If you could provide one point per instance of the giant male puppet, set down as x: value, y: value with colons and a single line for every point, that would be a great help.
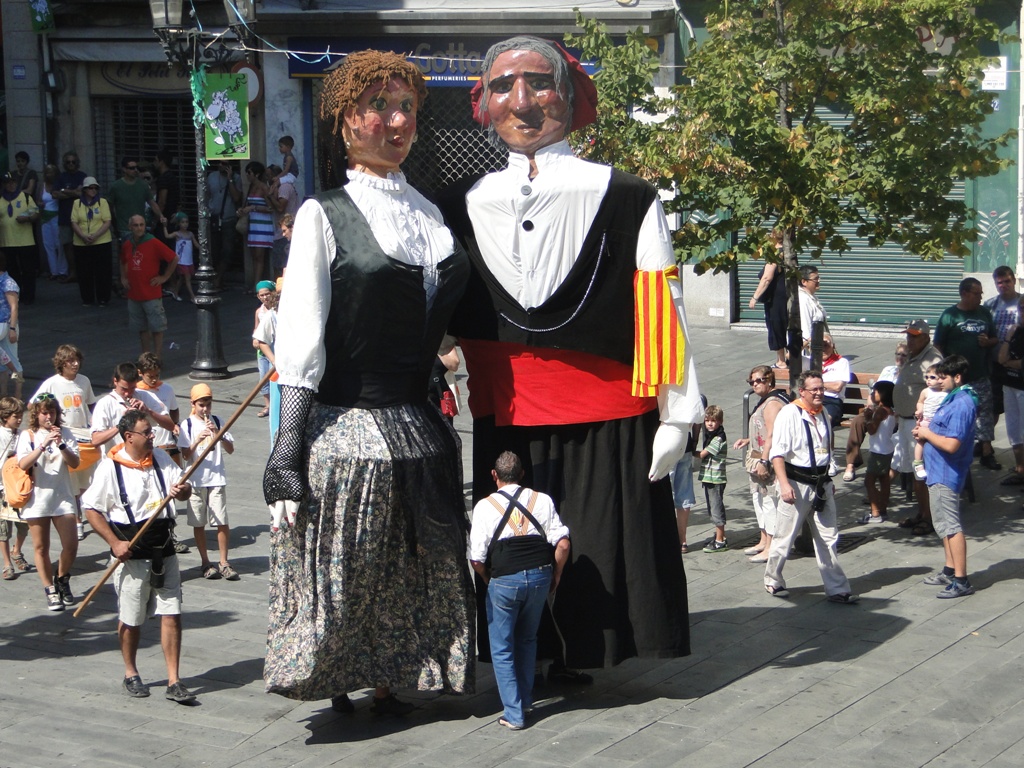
x: 596, y: 392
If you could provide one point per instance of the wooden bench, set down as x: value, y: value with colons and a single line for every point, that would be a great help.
x: 858, y: 395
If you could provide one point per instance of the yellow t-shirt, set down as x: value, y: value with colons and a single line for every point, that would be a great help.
x: 100, y: 212
x: 14, y: 233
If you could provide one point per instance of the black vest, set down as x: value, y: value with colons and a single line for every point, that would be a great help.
x: 381, y: 338
x: 592, y: 310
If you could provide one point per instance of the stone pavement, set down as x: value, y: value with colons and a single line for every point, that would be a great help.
x: 901, y: 679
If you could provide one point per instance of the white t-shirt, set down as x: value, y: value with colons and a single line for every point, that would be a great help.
x: 52, y: 494
x: 210, y: 473
x: 140, y: 485
x: 74, y: 397
x: 111, y: 407
x: 883, y: 442
x: 266, y: 331
x: 486, y: 518
x: 165, y: 392
x: 837, y: 370
x: 183, y: 247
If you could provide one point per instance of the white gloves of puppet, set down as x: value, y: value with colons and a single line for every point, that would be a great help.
x: 283, y: 511
x: 669, y: 446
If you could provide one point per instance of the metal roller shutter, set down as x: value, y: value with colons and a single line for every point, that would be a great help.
x: 142, y: 127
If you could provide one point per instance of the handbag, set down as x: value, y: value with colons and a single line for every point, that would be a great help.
x: 17, y: 482
x: 242, y: 225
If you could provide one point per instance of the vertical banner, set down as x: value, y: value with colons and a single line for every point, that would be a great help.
x: 42, y: 16
x: 226, y: 116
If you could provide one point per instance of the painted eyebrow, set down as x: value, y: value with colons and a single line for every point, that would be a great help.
x: 513, y: 76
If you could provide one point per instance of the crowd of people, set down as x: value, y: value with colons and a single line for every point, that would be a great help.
x: 543, y: 271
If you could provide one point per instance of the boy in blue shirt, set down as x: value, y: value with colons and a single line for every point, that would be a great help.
x: 948, y: 452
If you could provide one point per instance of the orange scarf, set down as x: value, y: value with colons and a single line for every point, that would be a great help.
x: 118, y: 454
x: 142, y: 385
x: 813, y: 411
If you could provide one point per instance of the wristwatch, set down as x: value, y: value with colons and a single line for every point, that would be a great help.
x: 765, y: 462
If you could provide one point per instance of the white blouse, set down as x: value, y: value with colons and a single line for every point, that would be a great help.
x: 561, y: 203
x: 406, y: 225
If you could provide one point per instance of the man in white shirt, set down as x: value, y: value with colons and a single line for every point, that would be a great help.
x: 546, y: 327
x: 801, y: 453
x: 518, y: 546
x: 128, y: 489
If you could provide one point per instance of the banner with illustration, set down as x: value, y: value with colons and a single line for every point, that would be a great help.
x: 42, y: 16
x: 226, y: 116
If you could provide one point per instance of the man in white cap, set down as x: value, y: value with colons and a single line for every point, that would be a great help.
x: 909, y: 384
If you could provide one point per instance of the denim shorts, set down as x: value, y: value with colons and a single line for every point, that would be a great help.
x: 682, y: 483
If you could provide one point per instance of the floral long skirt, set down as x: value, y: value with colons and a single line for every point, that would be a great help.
x: 372, y: 586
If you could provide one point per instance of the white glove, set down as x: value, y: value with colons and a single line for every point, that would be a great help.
x: 669, y: 446
x: 284, y: 510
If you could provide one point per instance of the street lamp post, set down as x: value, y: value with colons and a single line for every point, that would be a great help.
x: 192, y: 49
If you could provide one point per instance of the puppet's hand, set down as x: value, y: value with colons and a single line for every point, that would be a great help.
x: 284, y: 478
x: 283, y: 512
x: 669, y: 446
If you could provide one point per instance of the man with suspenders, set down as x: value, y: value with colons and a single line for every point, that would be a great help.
x: 519, y: 546
x: 128, y: 488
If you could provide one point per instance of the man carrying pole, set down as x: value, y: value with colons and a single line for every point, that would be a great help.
x: 132, y: 485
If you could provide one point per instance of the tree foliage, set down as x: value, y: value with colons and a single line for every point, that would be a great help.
x: 803, y: 116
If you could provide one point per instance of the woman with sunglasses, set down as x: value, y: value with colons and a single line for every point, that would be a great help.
x: 763, y: 491
x: 48, y: 451
x: 91, y: 221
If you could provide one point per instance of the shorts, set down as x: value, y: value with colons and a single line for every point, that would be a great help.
x: 878, y: 463
x: 185, y: 269
x: 208, y: 506
x: 682, y: 483
x: 7, y: 528
x: 945, y: 504
x: 147, y: 316
x: 138, y: 600
x: 714, y: 494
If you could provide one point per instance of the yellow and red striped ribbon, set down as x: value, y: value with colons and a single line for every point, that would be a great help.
x: 658, y: 337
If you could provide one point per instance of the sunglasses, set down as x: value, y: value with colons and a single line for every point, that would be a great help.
x: 44, y: 396
x: 752, y: 382
x: 930, y: 377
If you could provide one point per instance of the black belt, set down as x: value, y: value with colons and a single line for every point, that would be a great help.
x: 807, y: 475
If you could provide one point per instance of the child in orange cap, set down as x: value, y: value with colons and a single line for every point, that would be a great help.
x: 208, y: 502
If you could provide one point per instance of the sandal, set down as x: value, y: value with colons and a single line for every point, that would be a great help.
x: 10, y: 574
x: 923, y: 528
x: 911, y: 522
x: 20, y: 562
x: 683, y: 548
x: 211, y: 572
x: 776, y: 591
x: 263, y: 414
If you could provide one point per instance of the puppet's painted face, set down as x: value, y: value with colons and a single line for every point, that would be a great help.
x: 526, y: 109
x: 381, y: 127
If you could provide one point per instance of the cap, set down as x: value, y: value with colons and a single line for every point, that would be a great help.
x: 199, y: 391
x: 8, y: 177
x: 918, y: 327
x: 90, y: 181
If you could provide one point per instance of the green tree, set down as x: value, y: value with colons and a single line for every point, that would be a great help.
x: 800, y: 116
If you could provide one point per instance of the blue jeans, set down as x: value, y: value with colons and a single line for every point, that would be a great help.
x: 514, y: 606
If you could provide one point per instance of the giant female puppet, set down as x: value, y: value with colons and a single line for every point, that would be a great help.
x: 574, y: 336
x: 371, y: 586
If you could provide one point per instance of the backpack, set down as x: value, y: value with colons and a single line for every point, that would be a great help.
x: 18, y: 484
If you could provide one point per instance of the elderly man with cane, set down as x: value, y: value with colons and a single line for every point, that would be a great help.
x: 132, y: 485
